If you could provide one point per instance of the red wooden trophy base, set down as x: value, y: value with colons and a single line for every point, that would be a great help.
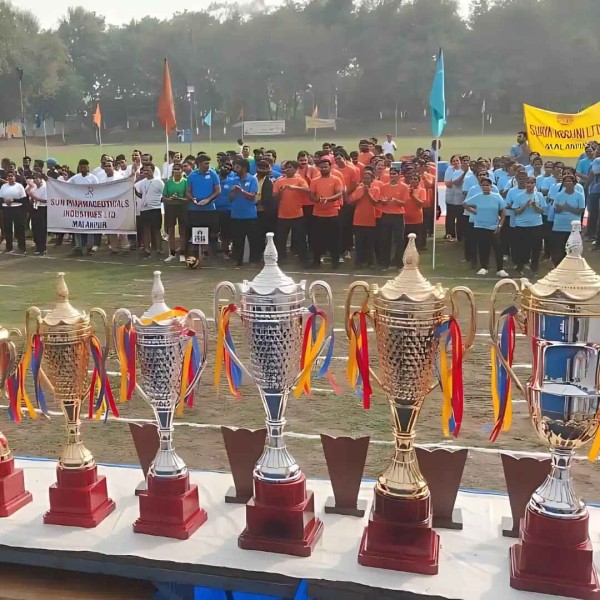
x: 79, y: 498
x: 554, y: 556
x: 280, y: 518
x: 12, y: 488
x: 399, y: 536
x: 170, y: 508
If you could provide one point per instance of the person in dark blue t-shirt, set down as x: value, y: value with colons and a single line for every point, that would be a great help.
x: 203, y: 187
x: 243, y: 212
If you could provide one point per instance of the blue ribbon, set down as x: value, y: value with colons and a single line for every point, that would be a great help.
x: 36, y: 362
x: 236, y: 372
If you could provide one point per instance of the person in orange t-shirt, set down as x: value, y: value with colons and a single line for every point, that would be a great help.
x: 381, y: 172
x: 394, y: 196
x: 428, y: 183
x: 308, y: 172
x: 351, y: 178
x: 365, y: 197
x: 290, y: 193
x: 326, y: 193
x: 364, y: 154
x: 413, y: 209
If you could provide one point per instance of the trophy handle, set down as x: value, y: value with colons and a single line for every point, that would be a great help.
x: 227, y: 285
x: 13, y: 363
x: 367, y: 289
x: 193, y: 315
x: 33, y: 313
x: 494, y: 322
x: 105, y: 325
x: 118, y: 321
x: 328, y: 309
x: 457, y: 291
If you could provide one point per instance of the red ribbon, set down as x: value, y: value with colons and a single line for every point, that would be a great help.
x: 457, y: 375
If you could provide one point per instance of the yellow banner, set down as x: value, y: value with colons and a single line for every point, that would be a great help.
x: 559, y: 134
x: 316, y: 123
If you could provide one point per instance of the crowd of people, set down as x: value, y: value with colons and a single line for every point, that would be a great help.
x: 332, y: 204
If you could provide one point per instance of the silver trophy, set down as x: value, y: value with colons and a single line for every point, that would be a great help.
x: 272, y: 308
x: 162, y: 337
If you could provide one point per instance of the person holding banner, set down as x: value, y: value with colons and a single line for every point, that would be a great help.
x: 149, y: 191
x: 82, y: 177
x: 36, y: 190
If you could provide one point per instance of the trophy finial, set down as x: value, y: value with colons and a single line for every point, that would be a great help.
x: 158, y: 298
x: 63, y: 311
x: 574, y: 245
x: 270, y: 255
x: 62, y: 291
x: 411, y: 255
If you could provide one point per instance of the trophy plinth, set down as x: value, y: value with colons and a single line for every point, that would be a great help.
x: 413, y: 329
x: 554, y: 557
x: 164, y: 347
x: 79, y: 498
x: 170, y: 508
x: 399, y: 536
x: 280, y: 518
x: 12, y: 488
x: 561, y: 317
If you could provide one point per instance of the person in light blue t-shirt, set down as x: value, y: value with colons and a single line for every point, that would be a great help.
x: 568, y: 206
x: 489, y: 215
x: 528, y: 205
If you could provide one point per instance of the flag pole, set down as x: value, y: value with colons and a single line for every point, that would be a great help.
x: 100, y: 136
x: 435, y: 198
x: 167, y: 141
x: 46, y: 139
x: 396, y: 120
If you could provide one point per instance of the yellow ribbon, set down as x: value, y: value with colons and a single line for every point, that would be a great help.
x: 595, y: 449
x: 220, y: 352
x: 22, y: 396
x: 312, y: 351
x: 170, y: 314
x: 122, y: 362
x: 187, y: 359
x: 496, y: 398
x: 446, y: 384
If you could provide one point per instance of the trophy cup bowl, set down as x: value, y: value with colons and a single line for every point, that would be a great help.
x: 561, y: 316
x: 79, y: 497
x: 272, y: 308
x: 407, y: 315
x: 170, y: 506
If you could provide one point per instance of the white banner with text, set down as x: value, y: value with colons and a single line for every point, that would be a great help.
x: 264, y: 127
x: 91, y: 208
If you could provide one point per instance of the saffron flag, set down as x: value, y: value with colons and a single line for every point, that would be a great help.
x: 208, y: 119
x: 166, y: 106
x: 437, y: 99
x: 98, y: 116
x: 559, y: 134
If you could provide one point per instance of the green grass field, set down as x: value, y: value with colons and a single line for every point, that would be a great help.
x: 489, y: 145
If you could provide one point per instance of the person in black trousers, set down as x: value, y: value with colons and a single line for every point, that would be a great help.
x: 13, y: 197
x: 244, y: 191
x: 39, y: 214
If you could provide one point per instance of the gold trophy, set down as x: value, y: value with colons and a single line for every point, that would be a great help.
x: 13, y: 495
x: 413, y: 330
x: 65, y: 337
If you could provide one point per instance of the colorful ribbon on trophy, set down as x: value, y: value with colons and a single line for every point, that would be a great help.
x: 101, y: 399
x: 358, y: 359
x: 312, y: 343
x: 126, y: 340
x: 450, y: 376
x: 501, y: 383
x: 192, y: 359
x: 233, y: 372
x: 17, y: 394
x: 178, y: 311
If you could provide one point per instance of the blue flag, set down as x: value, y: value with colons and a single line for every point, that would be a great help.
x: 437, y: 99
x: 208, y: 119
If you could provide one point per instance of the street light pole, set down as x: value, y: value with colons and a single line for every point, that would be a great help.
x: 191, y: 90
x: 23, y: 133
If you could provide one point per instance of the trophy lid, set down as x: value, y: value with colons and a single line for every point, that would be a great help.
x: 572, y: 279
x: 159, y: 306
x: 271, y: 279
x: 63, y: 312
x: 410, y: 284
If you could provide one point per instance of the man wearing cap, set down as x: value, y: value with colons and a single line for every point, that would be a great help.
x: 326, y: 193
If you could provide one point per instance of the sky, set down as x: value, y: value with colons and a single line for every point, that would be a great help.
x: 118, y: 12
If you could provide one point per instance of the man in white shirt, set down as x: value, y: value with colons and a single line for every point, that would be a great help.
x: 13, y: 196
x: 98, y: 170
x: 389, y: 146
x: 82, y: 177
x: 117, y: 242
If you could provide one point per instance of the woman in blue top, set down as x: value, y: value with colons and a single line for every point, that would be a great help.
x: 568, y: 206
x: 527, y: 237
x: 488, y: 211
x: 454, y: 177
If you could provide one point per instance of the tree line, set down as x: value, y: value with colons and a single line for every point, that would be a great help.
x: 351, y: 60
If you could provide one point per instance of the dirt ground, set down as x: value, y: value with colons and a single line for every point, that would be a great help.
x: 113, y: 282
